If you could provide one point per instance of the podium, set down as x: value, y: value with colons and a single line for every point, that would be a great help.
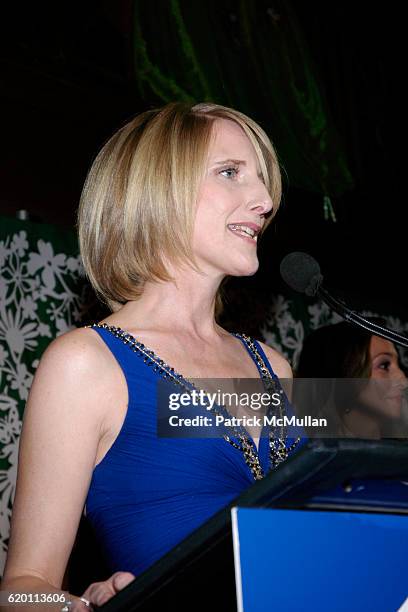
x: 319, y: 560
x: 349, y: 482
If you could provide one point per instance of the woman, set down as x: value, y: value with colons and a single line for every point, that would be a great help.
x: 370, y: 407
x: 173, y: 204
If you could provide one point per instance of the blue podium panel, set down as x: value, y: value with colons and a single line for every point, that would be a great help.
x: 318, y: 561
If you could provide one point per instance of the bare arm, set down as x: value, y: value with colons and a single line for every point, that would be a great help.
x: 63, y: 424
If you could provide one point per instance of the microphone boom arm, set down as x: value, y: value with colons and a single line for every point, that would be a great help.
x: 354, y: 317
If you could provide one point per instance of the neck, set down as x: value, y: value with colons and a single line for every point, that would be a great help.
x: 362, y: 424
x: 185, y: 305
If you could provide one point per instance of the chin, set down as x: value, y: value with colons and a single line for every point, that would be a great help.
x: 233, y: 266
x: 244, y: 270
x: 387, y: 410
x: 394, y: 409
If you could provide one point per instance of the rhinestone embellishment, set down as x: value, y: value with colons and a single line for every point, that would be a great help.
x: 278, y: 451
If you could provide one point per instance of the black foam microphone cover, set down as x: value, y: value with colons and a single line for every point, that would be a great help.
x: 301, y: 272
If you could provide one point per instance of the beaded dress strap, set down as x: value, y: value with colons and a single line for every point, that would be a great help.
x: 258, y: 356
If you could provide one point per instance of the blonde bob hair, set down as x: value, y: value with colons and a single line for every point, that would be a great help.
x: 138, y: 203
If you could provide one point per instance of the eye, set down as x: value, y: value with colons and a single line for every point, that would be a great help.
x: 384, y: 365
x: 230, y: 173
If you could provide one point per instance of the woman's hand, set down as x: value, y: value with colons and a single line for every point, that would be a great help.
x: 98, y: 593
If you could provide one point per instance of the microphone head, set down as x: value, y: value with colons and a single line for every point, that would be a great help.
x: 301, y: 272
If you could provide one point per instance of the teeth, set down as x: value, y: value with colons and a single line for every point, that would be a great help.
x: 242, y: 229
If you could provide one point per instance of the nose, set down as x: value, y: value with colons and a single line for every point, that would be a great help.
x: 260, y: 201
x: 399, y: 377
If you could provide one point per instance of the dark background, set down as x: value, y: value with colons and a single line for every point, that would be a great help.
x: 69, y: 78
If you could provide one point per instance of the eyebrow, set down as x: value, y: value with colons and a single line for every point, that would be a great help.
x: 231, y: 161
x: 386, y: 354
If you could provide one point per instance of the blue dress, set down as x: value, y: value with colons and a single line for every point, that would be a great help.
x: 148, y: 493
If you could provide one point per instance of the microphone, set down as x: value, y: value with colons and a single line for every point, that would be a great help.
x: 301, y: 272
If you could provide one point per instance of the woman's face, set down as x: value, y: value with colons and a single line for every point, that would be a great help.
x: 232, y: 205
x: 384, y: 394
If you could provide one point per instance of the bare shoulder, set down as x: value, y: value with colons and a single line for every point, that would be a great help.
x: 78, y: 364
x: 279, y: 363
x: 80, y: 353
x: 76, y: 348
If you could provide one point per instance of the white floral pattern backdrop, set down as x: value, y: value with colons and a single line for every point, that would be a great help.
x: 43, y: 295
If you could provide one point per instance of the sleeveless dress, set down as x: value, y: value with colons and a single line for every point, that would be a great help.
x: 148, y: 493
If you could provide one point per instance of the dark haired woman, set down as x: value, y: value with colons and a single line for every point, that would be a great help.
x: 370, y: 407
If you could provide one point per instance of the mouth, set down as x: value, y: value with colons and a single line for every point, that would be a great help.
x: 397, y: 392
x: 246, y: 231
x: 395, y: 397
